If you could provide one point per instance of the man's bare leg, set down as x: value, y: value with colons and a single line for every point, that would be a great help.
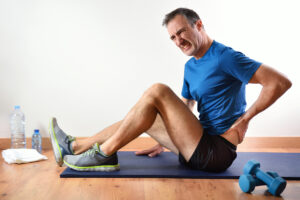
x: 157, y: 132
x: 182, y: 126
x: 81, y: 145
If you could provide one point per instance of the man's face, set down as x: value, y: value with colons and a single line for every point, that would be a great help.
x: 186, y: 37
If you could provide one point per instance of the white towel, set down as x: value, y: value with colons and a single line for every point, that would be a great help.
x: 22, y: 156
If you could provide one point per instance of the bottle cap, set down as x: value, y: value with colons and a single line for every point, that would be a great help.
x: 36, y: 131
x: 17, y: 107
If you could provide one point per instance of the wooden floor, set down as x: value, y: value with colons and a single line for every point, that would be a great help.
x: 40, y: 180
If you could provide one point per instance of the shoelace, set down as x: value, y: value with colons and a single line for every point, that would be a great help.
x: 69, y: 138
x: 90, y: 152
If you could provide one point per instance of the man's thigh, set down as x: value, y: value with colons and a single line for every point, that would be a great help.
x: 181, y: 124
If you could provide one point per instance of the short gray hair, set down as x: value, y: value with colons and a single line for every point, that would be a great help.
x: 191, y: 16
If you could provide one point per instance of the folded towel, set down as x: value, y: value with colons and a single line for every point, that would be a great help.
x: 22, y: 156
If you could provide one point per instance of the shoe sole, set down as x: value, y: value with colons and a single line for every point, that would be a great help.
x: 103, y: 168
x: 55, y: 145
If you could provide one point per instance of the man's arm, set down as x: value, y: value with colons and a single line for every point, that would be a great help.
x: 274, y: 85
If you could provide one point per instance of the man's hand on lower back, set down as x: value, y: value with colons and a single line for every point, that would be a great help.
x: 240, y: 126
x: 152, y: 152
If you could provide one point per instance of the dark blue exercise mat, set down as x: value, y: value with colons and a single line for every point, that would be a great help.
x: 166, y: 165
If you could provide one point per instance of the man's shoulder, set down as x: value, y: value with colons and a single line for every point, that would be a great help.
x: 226, y: 53
x: 222, y: 49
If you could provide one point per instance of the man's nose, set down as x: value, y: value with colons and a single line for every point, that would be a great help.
x: 178, y: 41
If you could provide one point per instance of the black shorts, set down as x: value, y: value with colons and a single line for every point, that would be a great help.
x: 213, y: 153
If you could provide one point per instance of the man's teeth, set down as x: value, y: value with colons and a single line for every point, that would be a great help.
x: 186, y: 46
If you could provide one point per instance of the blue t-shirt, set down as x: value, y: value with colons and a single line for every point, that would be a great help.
x: 217, y: 82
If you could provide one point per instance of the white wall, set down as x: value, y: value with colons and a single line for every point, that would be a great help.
x: 87, y: 62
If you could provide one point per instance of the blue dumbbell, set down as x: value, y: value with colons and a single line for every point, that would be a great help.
x: 248, y: 182
x: 275, y: 185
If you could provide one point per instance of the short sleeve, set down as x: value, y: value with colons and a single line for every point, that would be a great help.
x: 185, y: 90
x: 238, y: 65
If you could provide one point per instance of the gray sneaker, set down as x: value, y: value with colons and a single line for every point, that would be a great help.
x: 61, y: 142
x: 92, y: 160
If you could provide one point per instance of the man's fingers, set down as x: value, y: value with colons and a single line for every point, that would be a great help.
x: 143, y: 152
x: 156, y: 152
x: 153, y: 154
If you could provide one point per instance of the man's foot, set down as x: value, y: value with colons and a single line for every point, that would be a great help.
x: 92, y: 160
x: 61, y: 142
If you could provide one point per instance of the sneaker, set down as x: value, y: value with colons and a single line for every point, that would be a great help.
x: 92, y: 160
x: 61, y: 142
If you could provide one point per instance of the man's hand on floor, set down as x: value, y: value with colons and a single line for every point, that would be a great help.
x: 152, y: 152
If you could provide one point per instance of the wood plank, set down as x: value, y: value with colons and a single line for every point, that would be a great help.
x: 40, y: 180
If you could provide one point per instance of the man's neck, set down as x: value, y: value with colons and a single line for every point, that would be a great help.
x: 207, y: 41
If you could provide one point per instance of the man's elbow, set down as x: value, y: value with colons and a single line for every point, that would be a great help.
x: 287, y: 84
x: 284, y: 84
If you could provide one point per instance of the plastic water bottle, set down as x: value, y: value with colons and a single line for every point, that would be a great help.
x: 36, y: 141
x: 17, y: 126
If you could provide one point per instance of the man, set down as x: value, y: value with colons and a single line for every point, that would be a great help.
x: 215, y: 78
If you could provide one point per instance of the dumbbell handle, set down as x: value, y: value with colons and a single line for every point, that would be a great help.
x: 259, y: 182
x: 264, y: 177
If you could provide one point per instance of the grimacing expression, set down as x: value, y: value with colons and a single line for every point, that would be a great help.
x: 186, y: 37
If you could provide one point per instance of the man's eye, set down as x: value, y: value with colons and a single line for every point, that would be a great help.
x: 181, y: 32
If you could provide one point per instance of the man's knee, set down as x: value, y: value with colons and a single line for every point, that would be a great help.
x: 158, y: 90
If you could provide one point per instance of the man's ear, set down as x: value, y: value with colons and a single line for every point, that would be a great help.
x: 199, y: 25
